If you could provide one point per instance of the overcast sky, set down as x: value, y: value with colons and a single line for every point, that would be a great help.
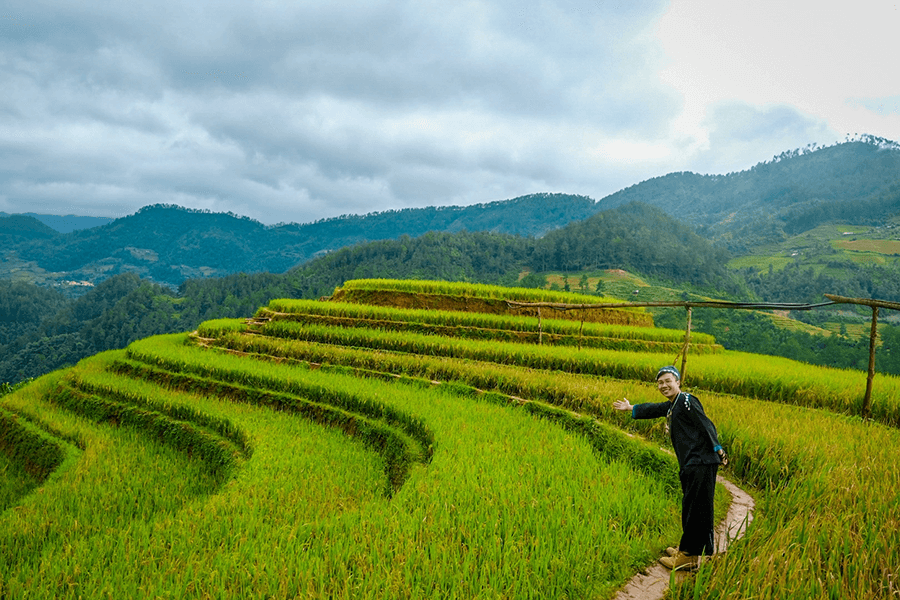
x: 296, y: 111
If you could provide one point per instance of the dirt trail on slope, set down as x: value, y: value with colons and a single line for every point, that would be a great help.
x: 652, y: 582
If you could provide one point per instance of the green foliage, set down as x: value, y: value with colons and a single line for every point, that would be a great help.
x: 22, y: 308
x: 635, y: 237
x: 118, y: 311
x: 16, y: 229
x: 533, y: 280
x: 478, y: 326
x: 797, y: 282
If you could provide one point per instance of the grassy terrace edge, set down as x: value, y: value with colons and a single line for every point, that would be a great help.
x: 379, y: 315
x: 729, y: 372
x: 475, y: 290
x: 465, y: 297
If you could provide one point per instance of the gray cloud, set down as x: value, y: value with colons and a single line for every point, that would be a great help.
x: 299, y: 111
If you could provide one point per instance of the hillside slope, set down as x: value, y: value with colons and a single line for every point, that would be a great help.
x: 16, y: 229
x: 795, y: 191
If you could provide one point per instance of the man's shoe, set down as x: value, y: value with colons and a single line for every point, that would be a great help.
x: 670, y: 551
x: 680, y: 561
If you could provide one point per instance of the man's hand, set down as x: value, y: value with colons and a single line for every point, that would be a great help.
x: 622, y: 404
x: 723, y: 456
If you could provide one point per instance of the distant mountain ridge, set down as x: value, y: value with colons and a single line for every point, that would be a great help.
x: 856, y: 181
x: 170, y: 244
x: 66, y: 223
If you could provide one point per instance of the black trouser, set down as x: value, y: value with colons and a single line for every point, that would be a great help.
x: 698, y: 484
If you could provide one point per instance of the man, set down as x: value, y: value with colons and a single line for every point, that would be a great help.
x: 699, y: 455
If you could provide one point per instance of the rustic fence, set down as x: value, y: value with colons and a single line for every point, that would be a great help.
x: 689, y: 306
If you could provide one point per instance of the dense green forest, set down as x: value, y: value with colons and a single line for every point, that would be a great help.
x: 16, y: 229
x: 799, y: 283
x: 42, y: 330
x: 636, y: 237
x: 632, y: 237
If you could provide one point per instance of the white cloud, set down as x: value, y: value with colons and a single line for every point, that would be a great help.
x: 809, y: 56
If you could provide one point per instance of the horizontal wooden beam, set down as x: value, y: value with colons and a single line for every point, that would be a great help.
x: 683, y: 304
x: 863, y: 301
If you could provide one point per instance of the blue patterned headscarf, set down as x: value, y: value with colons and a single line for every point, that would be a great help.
x: 671, y: 370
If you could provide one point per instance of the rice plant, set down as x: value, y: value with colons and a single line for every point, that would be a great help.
x: 487, y: 324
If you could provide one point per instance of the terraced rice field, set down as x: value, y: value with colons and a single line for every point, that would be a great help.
x: 321, y: 450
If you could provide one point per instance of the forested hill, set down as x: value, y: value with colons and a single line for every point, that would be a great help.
x: 856, y: 181
x: 170, y: 244
x: 634, y: 237
x: 21, y: 228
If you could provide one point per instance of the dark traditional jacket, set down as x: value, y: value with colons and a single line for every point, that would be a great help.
x: 693, y: 435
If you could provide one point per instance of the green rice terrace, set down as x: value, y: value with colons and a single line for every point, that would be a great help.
x: 423, y: 440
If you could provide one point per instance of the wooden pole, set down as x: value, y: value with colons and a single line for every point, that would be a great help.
x: 687, y: 341
x: 873, y: 338
x: 581, y: 330
x: 540, y: 328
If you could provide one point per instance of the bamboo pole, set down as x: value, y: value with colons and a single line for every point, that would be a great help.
x: 687, y: 341
x: 540, y: 328
x: 873, y: 338
x: 581, y: 330
x: 864, y: 302
x: 711, y: 304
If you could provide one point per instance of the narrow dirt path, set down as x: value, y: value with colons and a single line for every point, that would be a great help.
x: 652, y: 582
